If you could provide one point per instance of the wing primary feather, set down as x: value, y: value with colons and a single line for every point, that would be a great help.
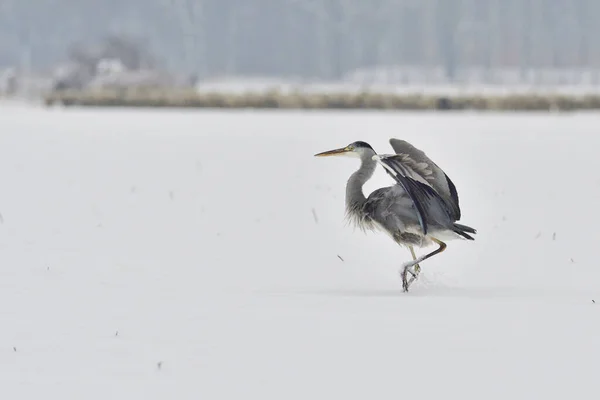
x: 454, y: 196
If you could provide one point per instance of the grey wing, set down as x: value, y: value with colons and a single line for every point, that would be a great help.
x: 430, y: 206
x: 392, y: 208
x: 422, y: 165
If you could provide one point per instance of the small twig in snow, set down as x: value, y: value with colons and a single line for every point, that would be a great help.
x: 314, y: 213
x: 340, y: 257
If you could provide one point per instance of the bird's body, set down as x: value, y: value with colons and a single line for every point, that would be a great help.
x: 420, y: 209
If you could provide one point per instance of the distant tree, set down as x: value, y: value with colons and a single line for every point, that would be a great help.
x: 83, y: 57
x: 446, y: 41
x: 132, y: 53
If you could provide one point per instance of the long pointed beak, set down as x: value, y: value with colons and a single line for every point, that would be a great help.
x: 332, y: 152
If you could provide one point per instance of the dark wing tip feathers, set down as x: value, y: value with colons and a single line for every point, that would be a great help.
x: 454, y: 196
x: 464, y: 231
x: 465, y: 228
x: 465, y: 235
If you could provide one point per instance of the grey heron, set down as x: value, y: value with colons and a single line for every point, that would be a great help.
x: 419, y: 210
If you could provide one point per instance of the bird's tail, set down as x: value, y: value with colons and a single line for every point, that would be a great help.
x: 464, y: 230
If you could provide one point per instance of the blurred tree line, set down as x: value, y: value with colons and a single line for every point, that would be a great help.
x: 309, y: 38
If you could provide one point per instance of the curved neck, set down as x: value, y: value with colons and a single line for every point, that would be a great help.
x: 354, y: 193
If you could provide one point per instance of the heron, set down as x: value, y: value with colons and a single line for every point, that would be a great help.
x: 421, y: 208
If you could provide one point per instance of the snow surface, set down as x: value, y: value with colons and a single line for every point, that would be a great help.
x: 194, y: 255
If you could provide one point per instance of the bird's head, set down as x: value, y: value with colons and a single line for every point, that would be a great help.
x: 356, y: 149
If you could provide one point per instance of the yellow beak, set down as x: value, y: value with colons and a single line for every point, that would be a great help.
x: 333, y: 152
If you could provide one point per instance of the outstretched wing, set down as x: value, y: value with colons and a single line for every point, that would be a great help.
x: 422, y: 165
x: 416, y: 186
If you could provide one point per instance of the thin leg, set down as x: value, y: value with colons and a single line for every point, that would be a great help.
x: 414, y: 256
x: 416, y: 261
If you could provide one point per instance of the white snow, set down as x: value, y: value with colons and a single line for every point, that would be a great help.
x: 194, y: 255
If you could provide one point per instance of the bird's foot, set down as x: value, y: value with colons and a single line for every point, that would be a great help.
x: 406, y: 282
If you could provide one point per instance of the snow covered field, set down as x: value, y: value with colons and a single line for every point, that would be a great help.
x: 194, y: 255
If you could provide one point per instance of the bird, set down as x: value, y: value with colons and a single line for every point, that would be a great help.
x: 420, y: 209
